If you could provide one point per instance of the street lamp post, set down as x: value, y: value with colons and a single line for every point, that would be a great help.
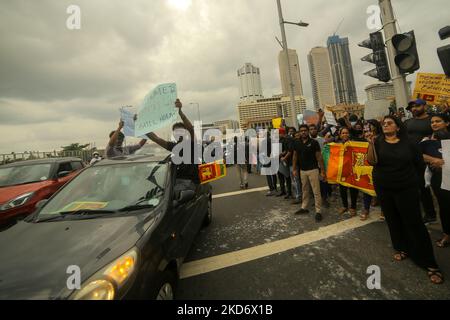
x: 285, y: 48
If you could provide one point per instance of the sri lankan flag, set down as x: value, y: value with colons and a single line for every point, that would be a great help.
x: 212, y: 171
x: 346, y: 164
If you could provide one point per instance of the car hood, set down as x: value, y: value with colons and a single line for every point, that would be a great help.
x: 11, y: 192
x: 35, y: 256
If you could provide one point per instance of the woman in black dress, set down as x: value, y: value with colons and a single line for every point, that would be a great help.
x: 395, y: 162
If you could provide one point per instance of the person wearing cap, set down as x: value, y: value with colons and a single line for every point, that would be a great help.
x: 95, y: 158
x: 418, y: 128
x: 115, y: 145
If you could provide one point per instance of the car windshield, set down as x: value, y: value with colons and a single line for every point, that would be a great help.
x: 24, y: 174
x: 110, y: 188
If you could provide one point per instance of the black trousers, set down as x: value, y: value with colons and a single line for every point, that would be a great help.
x: 272, y: 182
x: 285, y: 184
x: 443, y: 198
x: 353, y: 196
x: 401, y: 207
x: 425, y: 197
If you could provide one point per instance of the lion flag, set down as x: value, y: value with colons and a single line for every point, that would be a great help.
x: 346, y: 164
x: 211, y: 171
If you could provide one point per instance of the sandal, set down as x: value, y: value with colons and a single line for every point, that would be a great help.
x: 435, y: 273
x: 382, y: 218
x: 444, y: 242
x: 352, y: 212
x: 343, y: 210
x: 400, y: 256
x: 364, y: 216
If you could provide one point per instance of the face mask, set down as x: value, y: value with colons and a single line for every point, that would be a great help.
x: 352, y: 123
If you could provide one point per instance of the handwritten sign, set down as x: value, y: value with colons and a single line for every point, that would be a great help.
x: 310, y: 117
x: 433, y: 88
x: 128, y: 120
x: 157, y: 110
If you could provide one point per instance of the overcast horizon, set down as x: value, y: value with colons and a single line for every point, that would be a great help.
x: 61, y: 86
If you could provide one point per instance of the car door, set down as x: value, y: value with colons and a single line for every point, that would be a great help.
x: 64, y: 166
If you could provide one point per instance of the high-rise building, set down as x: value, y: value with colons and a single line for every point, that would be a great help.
x: 342, y: 70
x: 250, y: 88
x: 321, y: 77
x: 295, y: 71
x: 259, y: 113
x: 382, y: 91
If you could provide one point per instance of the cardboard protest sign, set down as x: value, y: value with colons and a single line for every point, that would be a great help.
x: 433, y: 88
x: 310, y: 117
x: 330, y: 118
x: 277, y: 122
x: 128, y: 119
x: 157, y: 110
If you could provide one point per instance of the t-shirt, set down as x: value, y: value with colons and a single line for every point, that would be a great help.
x: 306, y: 154
x: 115, y: 151
x: 398, y: 164
x: 187, y: 171
x: 418, y: 129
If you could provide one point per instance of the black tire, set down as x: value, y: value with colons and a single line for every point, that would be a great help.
x: 208, y: 216
x: 165, y: 286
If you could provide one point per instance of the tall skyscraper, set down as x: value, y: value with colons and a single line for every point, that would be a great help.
x: 342, y: 70
x: 321, y: 77
x: 250, y: 88
x: 295, y: 71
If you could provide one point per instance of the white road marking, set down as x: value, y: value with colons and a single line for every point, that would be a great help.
x: 235, y: 193
x: 195, y: 268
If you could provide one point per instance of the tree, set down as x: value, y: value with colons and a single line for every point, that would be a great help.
x: 75, y: 147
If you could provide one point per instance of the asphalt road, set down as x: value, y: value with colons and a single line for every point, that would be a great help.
x: 256, y: 248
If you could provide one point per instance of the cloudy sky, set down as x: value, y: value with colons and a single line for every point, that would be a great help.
x: 59, y: 86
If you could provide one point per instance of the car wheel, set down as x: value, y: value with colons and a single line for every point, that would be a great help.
x: 208, y: 217
x: 167, y: 286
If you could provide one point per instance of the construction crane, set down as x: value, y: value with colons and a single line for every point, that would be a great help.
x: 339, y: 25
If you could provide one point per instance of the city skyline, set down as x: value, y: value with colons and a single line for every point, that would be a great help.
x: 59, y: 86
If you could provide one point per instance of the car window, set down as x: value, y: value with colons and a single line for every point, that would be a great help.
x: 111, y: 187
x: 65, y: 167
x: 76, y: 165
x: 24, y: 174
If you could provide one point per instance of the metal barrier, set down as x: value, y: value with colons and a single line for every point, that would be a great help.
x: 85, y: 155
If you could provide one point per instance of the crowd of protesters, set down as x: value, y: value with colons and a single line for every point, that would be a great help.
x: 407, y: 164
x: 406, y: 155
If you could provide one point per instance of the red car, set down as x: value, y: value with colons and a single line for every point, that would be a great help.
x: 23, y: 184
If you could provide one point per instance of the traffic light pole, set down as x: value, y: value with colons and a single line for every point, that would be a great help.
x: 398, y: 80
x: 293, y: 120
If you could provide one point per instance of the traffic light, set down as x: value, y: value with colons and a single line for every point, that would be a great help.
x: 444, y: 52
x: 406, y: 57
x: 378, y: 57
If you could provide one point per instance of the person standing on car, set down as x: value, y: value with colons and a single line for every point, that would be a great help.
x: 418, y: 128
x: 188, y: 170
x: 115, y: 146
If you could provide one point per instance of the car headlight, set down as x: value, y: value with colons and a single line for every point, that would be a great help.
x: 105, y: 284
x: 18, y: 201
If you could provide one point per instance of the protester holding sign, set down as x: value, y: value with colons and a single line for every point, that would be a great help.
x: 396, y: 161
x: 432, y: 154
x: 188, y: 168
x: 115, y: 145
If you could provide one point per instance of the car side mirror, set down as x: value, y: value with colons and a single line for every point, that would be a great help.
x: 63, y: 174
x: 185, y: 196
